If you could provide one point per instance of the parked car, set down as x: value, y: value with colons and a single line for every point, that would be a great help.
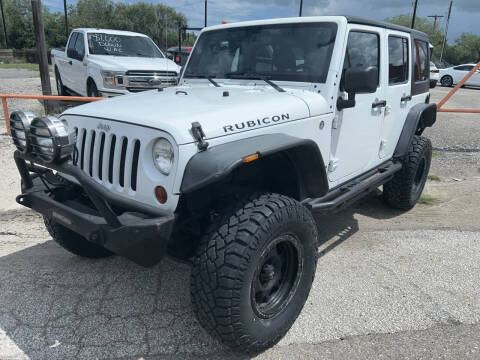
x: 454, y: 74
x: 180, y: 56
x: 434, y: 75
x: 272, y: 122
x: 100, y: 62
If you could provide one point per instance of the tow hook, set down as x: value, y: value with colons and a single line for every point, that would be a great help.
x: 199, y: 135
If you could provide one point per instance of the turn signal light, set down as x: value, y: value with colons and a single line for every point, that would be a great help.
x: 250, y: 158
x: 161, y: 194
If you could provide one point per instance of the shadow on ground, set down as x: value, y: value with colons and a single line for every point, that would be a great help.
x: 57, y: 306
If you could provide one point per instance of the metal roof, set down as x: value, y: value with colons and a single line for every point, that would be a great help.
x: 386, y: 25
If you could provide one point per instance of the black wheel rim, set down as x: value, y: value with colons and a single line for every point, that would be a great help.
x: 447, y: 81
x: 419, y: 176
x: 277, y: 276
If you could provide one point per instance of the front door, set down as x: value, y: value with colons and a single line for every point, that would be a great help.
x: 78, y: 69
x: 356, y: 130
x: 397, y: 91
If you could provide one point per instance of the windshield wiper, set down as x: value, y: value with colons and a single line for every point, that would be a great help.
x: 254, y: 76
x: 201, y: 76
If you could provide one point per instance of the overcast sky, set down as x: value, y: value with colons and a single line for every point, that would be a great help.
x: 465, y: 13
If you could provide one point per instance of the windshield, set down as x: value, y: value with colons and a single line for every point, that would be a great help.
x: 289, y: 52
x: 122, y: 45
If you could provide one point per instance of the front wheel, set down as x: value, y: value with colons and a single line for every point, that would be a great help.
x: 92, y: 90
x: 253, y: 271
x: 73, y: 242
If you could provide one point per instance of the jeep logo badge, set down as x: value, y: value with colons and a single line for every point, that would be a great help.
x: 104, y: 127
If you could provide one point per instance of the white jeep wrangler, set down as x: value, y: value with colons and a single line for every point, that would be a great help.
x: 272, y: 121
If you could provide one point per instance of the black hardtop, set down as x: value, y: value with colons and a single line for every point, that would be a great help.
x: 385, y: 25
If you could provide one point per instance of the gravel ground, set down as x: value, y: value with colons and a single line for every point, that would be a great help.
x: 388, y: 284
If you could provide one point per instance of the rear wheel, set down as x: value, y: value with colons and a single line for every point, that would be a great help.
x: 73, y: 242
x: 61, y: 90
x: 253, y: 271
x: 446, y: 81
x: 404, y: 190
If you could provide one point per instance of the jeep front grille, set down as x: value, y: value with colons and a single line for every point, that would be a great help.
x: 108, y: 158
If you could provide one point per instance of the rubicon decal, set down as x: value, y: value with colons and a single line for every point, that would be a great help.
x: 255, y: 123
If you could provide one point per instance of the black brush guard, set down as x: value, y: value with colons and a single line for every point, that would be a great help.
x: 138, y: 234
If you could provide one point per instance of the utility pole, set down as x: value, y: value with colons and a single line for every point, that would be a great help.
x: 435, y: 20
x: 205, y: 13
x: 4, y: 24
x: 66, y: 19
x: 446, y: 30
x: 414, y: 13
x: 301, y: 7
x: 41, y: 50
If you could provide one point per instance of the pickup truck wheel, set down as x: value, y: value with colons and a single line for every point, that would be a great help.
x: 253, y: 271
x: 92, y: 90
x: 404, y: 190
x: 61, y: 91
x: 73, y: 242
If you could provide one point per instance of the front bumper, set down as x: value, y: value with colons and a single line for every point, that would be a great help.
x: 132, y: 233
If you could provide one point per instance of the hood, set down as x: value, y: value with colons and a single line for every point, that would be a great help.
x: 125, y: 63
x: 220, y: 110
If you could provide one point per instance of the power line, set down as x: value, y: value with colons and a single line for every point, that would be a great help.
x: 301, y: 8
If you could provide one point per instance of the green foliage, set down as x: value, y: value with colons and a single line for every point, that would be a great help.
x: 427, y: 200
x: 466, y: 48
x: 158, y: 21
x: 434, y: 177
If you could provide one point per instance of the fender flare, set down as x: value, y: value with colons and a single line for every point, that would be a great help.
x: 419, y: 117
x: 218, y: 162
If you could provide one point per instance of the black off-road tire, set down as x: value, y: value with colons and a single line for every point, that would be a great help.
x: 73, y: 242
x: 232, y: 265
x: 404, y: 190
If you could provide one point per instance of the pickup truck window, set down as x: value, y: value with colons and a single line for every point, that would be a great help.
x: 71, y: 42
x: 285, y: 52
x: 80, y: 45
x: 122, y: 45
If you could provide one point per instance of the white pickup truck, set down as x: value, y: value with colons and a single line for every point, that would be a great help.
x: 99, y: 62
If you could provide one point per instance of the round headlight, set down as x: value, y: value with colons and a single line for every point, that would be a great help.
x: 19, y: 129
x: 163, y: 155
x: 51, y: 139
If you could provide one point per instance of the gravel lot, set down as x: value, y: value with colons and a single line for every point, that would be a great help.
x: 388, y: 284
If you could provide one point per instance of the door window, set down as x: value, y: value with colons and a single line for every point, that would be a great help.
x: 363, y: 50
x: 80, y: 46
x: 397, y: 60
x: 464, y: 67
x: 71, y: 42
x: 421, y: 64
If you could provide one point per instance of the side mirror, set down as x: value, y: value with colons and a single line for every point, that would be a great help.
x: 358, y: 80
x: 73, y: 54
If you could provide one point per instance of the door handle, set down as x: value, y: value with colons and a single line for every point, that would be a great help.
x: 381, y: 103
x: 406, y: 98
x: 70, y: 62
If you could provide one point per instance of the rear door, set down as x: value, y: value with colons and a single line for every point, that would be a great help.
x: 356, y: 134
x: 398, y: 90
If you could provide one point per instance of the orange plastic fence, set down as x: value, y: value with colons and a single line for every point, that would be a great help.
x: 454, y: 90
x: 4, y: 98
